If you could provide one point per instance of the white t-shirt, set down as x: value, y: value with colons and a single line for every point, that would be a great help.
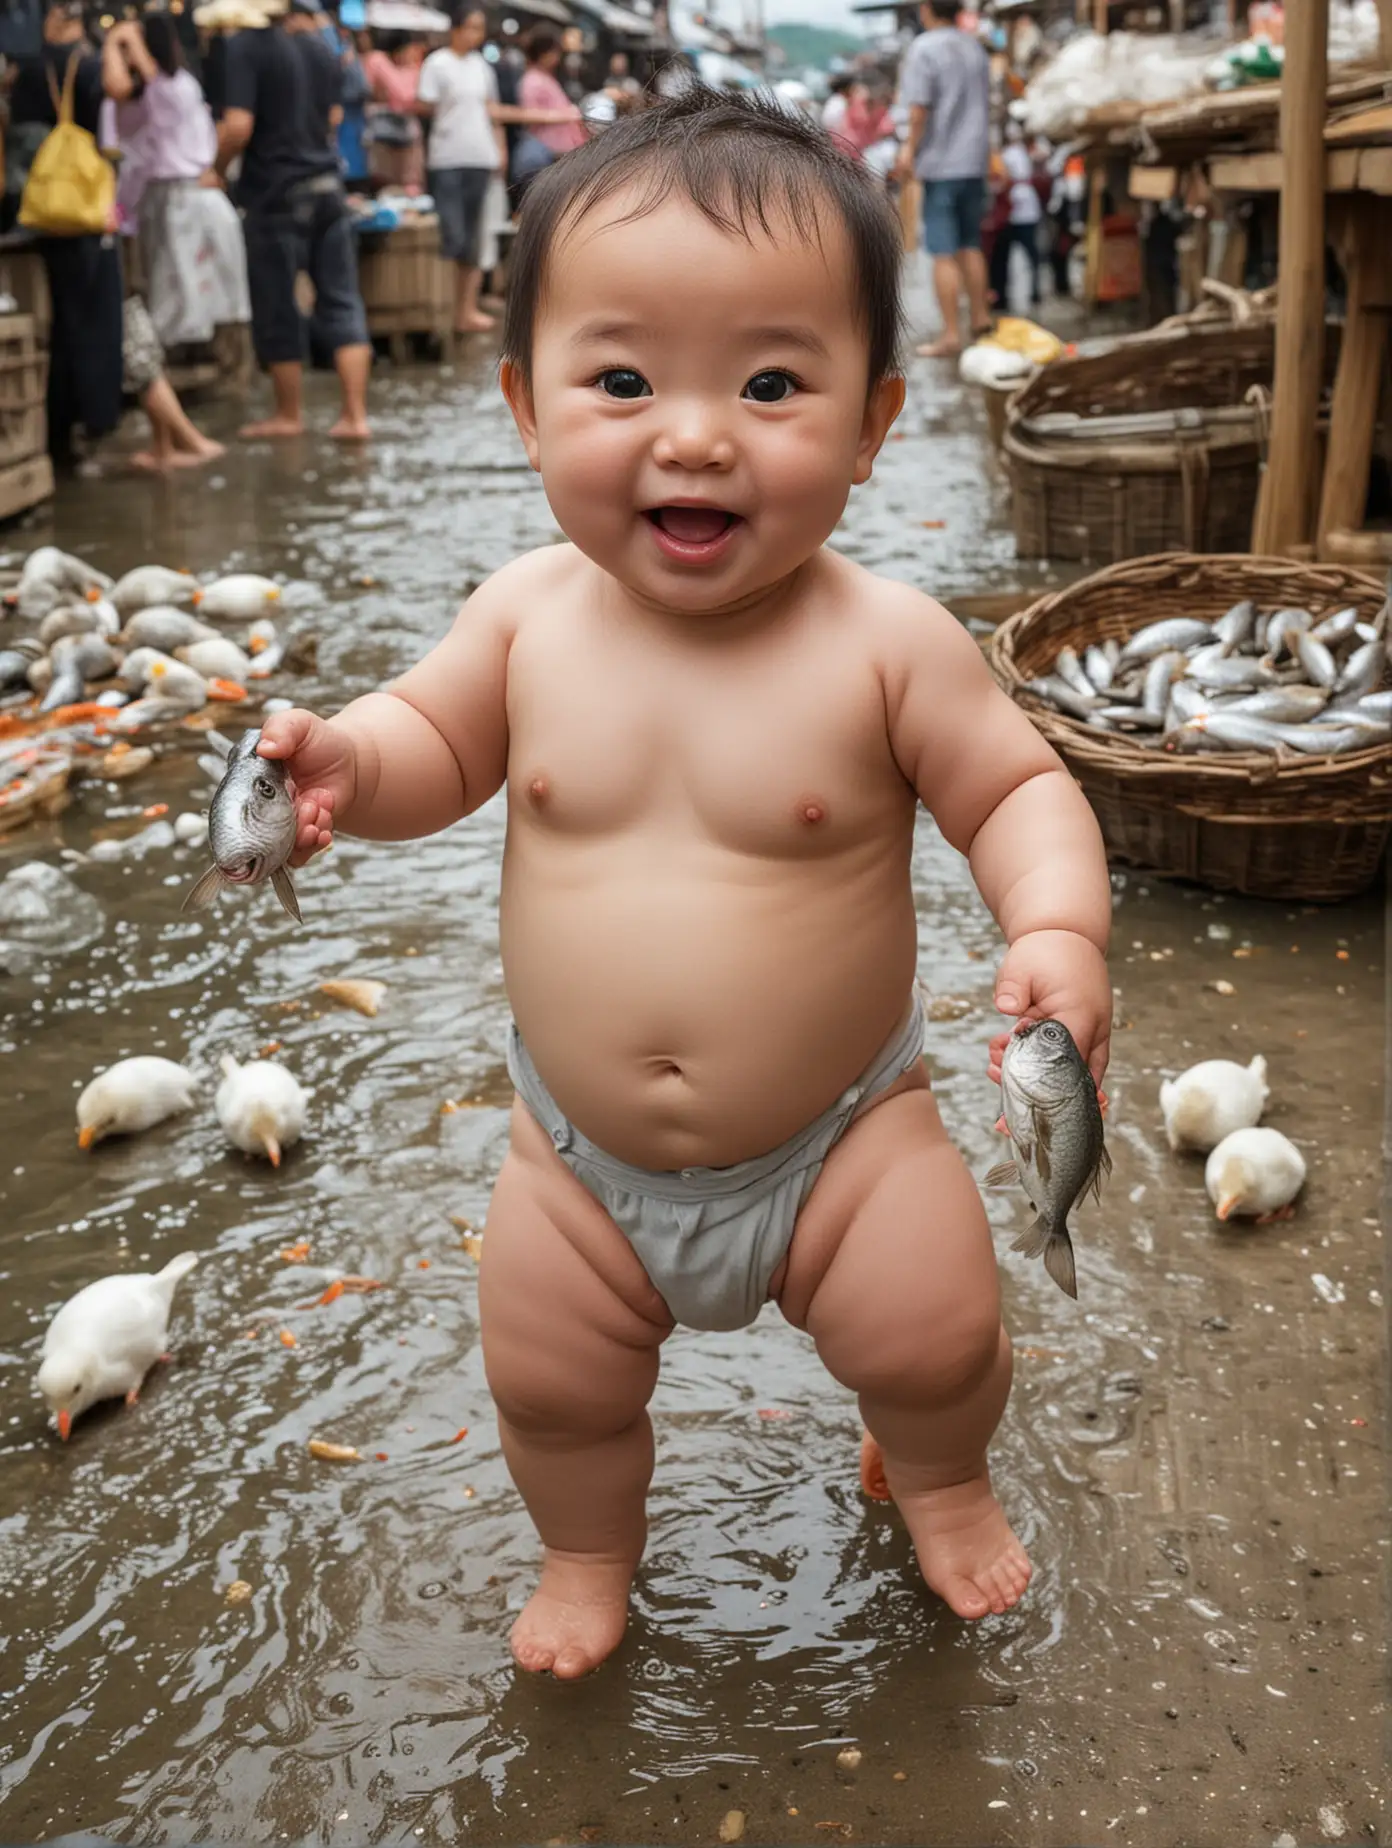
x: 461, y: 134
x: 1025, y: 206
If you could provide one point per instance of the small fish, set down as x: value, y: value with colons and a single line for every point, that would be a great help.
x: 1187, y: 700
x: 1379, y: 704
x: 1363, y: 669
x: 251, y: 828
x: 1282, y: 628
x: 76, y: 659
x: 1098, y: 667
x: 1068, y: 667
x: 1173, y: 632
x: 1373, y: 726
x: 1055, y: 1123
x: 1235, y: 626
x: 1335, y: 628
x: 69, y: 619
x: 1161, y: 675
x: 1128, y: 718
x: 1058, y: 693
x: 15, y: 662
x: 1227, y: 671
x: 1291, y: 705
x: 1315, y: 660
x: 1235, y: 731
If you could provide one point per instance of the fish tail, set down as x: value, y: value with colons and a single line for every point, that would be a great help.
x: 1052, y: 1243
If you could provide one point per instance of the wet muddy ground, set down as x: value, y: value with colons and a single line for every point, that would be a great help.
x: 1194, y: 1452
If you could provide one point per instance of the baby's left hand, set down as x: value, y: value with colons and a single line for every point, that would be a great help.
x: 1058, y: 975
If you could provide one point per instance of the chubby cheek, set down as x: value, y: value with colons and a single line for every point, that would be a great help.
x: 589, y: 466
x: 803, y: 472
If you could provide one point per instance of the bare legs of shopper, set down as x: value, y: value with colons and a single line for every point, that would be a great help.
x: 469, y: 318
x: 175, y: 442
x: 287, y: 383
x: 951, y: 275
x: 352, y: 364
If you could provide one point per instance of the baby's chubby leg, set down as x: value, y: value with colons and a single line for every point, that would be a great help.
x: 571, y: 1333
x: 893, y: 1274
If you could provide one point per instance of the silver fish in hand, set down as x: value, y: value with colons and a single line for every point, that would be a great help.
x: 1055, y: 1122
x: 251, y: 828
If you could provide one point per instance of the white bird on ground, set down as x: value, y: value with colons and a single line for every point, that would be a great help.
x: 217, y: 659
x: 1211, y: 1100
x: 132, y: 1095
x: 148, y: 585
x: 262, y: 1107
x: 238, y: 598
x: 1254, y: 1174
x: 103, y: 1342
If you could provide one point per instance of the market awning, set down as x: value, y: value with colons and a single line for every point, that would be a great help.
x: 405, y: 16
x: 620, y: 19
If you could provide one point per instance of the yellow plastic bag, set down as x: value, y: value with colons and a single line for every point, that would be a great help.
x: 1018, y: 335
x: 71, y: 189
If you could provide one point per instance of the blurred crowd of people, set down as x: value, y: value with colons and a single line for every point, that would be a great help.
x: 240, y: 158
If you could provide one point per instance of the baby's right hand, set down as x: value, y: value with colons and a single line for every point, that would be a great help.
x: 323, y: 770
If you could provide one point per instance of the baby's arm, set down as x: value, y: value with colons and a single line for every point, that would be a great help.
x: 1001, y: 796
x: 416, y: 757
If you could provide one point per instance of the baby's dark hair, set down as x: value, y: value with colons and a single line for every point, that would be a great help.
x: 742, y: 161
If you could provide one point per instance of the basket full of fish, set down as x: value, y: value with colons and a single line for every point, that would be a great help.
x: 1229, y: 718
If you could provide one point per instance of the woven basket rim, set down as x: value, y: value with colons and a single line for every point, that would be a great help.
x: 1243, y: 574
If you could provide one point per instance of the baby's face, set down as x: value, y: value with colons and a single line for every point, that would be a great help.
x: 698, y: 406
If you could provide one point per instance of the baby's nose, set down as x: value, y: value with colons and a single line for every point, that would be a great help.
x: 695, y: 436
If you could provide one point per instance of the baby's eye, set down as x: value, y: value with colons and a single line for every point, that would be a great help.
x: 623, y: 382
x: 771, y: 387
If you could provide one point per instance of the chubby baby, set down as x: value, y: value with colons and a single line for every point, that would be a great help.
x: 714, y: 734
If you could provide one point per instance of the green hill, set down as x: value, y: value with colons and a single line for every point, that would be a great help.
x: 814, y: 45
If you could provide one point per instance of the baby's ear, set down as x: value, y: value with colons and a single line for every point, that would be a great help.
x: 883, y: 405
x: 518, y: 393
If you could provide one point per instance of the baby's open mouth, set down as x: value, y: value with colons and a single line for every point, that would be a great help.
x: 692, y: 525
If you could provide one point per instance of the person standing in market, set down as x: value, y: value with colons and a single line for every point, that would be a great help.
x: 946, y: 85
x: 283, y: 109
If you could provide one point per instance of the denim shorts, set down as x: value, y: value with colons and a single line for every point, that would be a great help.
x: 312, y: 232
x: 459, y: 193
x: 952, y: 214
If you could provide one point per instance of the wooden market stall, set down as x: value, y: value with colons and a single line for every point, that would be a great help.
x: 26, y: 474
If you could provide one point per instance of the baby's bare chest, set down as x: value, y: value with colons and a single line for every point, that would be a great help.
x: 785, y: 752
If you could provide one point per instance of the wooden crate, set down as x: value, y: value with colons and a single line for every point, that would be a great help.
x: 23, y: 377
x: 407, y: 286
x: 22, y: 275
x: 25, y: 485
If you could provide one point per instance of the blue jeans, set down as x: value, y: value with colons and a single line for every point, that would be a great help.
x: 952, y: 214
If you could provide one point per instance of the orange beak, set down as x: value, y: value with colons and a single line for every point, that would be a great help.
x: 197, y: 598
x: 64, y: 1424
x: 1226, y: 1205
x: 93, y: 595
x: 257, y: 643
x: 271, y: 595
x: 86, y: 1136
x: 273, y: 1151
x: 226, y: 690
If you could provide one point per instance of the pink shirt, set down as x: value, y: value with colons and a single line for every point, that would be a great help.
x: 540, y: 90
x: 166, y: 133
x: 392, y: 84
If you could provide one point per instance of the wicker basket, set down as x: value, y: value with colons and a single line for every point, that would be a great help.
x: 1313, y: 829
x: 1196, y: 490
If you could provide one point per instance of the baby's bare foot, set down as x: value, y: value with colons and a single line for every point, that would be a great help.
x: 966, y: 1549
x: 574, y: 1618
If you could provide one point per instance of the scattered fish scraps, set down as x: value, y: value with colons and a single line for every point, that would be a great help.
x: 473, y: 1245
x: 460, y: 1435
x: 287, y: 1339
x: 732, y: 1826
x: 772, y: 1413
x: 364, y: 996
x: 296, y: 1254
x: 344, y: 1286
x: 333, y: 1453
x: 237, y: 1592
x: 849, y: 1758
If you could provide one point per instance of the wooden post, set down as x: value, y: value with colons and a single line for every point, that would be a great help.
x: 1289, y: 489
x: 1365, y: 247
x: 1384, y: 8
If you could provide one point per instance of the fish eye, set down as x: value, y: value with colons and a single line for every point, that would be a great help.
x: 265, y: 788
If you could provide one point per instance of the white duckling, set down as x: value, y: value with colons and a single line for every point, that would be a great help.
x: 216, y: 658
x: 132, y: 1095
x: 174, y: 683
x: 1254, y: 1174
x: 262, y: 1107
x: 49, y: 565
x: 103, y: 1342
x: 148, y: 585
x: 1211, y: 1100
x: 238, y: 598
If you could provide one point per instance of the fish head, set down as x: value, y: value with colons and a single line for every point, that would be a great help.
x: 1041, y: 1059
x: 69, y: 1383
x: 252, y: 822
